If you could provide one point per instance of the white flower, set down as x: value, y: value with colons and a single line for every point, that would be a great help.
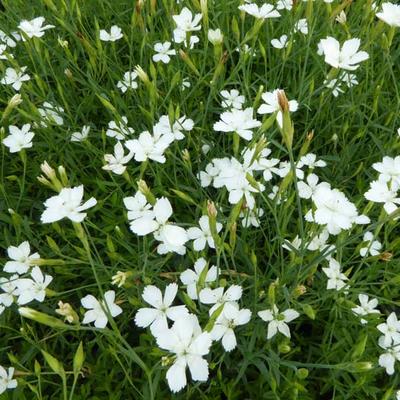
x: 271, y: 105
x: 191, y: 278
x: 307, y: 190
x: 388, y: 359
x: 334, y: 85
x: 336, y: 279
x: 185, y: 84
x: 189, y: 344
x: 346, y: 57
x: 33, y: 289
x: 67, y: 204
x: 172, y: 237
x: 284, y: 4
x: 149, y: 146
x: 175, y: 131
x: 119, y: 129
x: 277, y: 322
x: 19, y: 138
x: 293, y: 245
x: 238, y: 121
x: 97, y: 310
x: 34, y: 27
x: 390, y: 14
x: 9, y: 41
x: 4, y: 55
x: 230, y: 318
x: 232, y: 99
x: 390, y: 330
x: 114, y: 35
x: 138, y: 207
x: 285, y: 168
x: 162, y: 310
x: 82, y: 135
x: 263, y: 12
x: 310, y: 160
x: 116, y: 162
x: 202, y: 236
x: 251, y: 217
x: 389, y: 169
x: 163, y: 52
x: 22, y: 259
x: 319, y: 242
x: 219, y: 297
x: 366, y: 307
x: 301, y: 26
x: 185, y: 22
x: 379, y: 192
x: 51, y: 113
x: 334, y: 210
x: 6, y: 379
x: 280, y: 43
x: 10, y: 288
x: 15, y: 78
x: 215, y: 36
x: 128, y: 81
x: 373, y: 246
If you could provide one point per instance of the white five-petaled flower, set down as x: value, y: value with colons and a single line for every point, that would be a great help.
x: 232, y: 99
x: 238, y: 121
x: 157, y: 317
x: 97, y: 310
x: 116, y: 162
x: 219, y: 296
x: 263, y: 12
x: 172, y: 237
x: 202, y: 236
x: 34, y: 27
x: 336, y: 279
x: 33, y: 289
x: 15, y: 78
x: 67, y: 204
x: 278, y: 322
x: 19, y: 138
x: 390, y: 14
x: 334, y: 210
x: 119, y: 129
x: 366, y: 307
x: 372, y: 247
x: 271, y: 105
x: 308, y: 188
x: 280, y: 43
x: 128, y: 81
x: 388, y: 359
x: 137, y: 207
x: 215, y: 36
x: 150, y: 147
x: 82, y: 135
x: 6, y: 379
x: 50, y: 113
x: 389, y: 170
x: 9, y: 41
x: 346, y: 57
x: 191, y: 278
x: 384, y: 192
x: 163, y: 52
x: 390, y: 330
x: 114, y: 35
x: 189, y: 344
x: 186, y: 22
x: 21, y: 257
x: 10, y: 288
x: 230, y: 317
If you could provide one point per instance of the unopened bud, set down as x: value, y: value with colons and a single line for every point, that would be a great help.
x: 283, y: 101
x: 341, y: 18
x: 66, y: 310
x: 142, y: 74
x: 144, y: 189
x: 215, y: 36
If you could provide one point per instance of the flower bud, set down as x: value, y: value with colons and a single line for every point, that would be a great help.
x: 42, y: 318
x: 145, y: 190
x: 66, y: 310
x: 215, y: 36
x: 341, y: 18
x: 142, y: 74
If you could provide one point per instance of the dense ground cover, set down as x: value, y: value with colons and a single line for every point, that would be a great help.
x: 199, y: 199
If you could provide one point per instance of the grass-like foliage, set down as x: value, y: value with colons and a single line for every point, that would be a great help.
x: 199, y: 199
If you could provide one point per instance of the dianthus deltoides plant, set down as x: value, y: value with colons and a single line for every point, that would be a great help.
x: 199, y: 199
